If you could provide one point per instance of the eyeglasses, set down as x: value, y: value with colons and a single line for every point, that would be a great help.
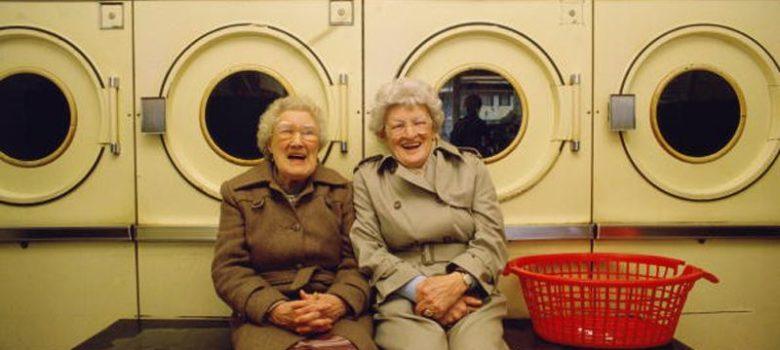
x: 287, y: 132
x: 418, y: 125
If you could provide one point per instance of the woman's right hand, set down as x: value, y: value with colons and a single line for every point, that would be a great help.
x: 297, y: 317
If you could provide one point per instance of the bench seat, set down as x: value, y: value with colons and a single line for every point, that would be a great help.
x: 214, y: 334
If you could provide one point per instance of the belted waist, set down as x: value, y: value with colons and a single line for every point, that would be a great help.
x: 431, y: 253
x: 314, y: 278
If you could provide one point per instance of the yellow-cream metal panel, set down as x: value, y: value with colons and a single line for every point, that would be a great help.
x: 175, y: 280
x: 184, y: 48
x: 88, y: 180
x: 638, y: 179
x: 534, y: 45
x: 56, y: 295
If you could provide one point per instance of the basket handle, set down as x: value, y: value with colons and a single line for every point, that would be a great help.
x: 511, y: 268
x: 708, y: 276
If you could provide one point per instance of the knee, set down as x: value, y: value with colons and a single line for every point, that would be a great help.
x: 477, y: 341
x: 359, y: 332
x: 487, y: 334
x: 249, y: 336
x: 409, y: 335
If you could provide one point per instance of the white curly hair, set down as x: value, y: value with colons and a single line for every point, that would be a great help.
x: 270, y: 117
x: 405, y: 92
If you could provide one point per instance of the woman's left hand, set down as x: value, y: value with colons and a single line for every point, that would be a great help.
x: 436, y: 294
x: 465, y: 305
x: 328, y: 305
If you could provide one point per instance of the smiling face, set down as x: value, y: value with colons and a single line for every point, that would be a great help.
x: 294, y: 145
x: 409, y: 134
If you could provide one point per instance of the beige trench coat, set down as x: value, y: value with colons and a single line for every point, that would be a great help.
x: 408, y: 225
x: 269, y: 248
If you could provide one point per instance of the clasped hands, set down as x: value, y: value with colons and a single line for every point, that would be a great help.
x: 443, y: 299
x: 313, y: 313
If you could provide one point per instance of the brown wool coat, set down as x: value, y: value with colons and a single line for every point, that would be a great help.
x: 269, y: 248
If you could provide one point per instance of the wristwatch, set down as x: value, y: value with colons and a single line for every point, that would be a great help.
x: 468, y: 279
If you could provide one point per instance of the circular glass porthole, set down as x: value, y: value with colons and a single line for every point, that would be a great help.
x: 37, y: 120
x: 698, y: 115
x: 482, y: 110
x: 232, y: 112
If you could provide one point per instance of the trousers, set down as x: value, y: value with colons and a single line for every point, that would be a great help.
x: 398, y: 327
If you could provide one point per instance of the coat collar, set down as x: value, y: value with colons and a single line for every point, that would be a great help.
x: 449, y: 149
x: 387, y: 162
x: 262, y: 174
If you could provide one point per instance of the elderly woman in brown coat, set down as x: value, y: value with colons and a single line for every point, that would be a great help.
x: 283, y: 261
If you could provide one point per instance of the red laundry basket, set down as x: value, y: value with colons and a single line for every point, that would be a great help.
x: 605, y: 300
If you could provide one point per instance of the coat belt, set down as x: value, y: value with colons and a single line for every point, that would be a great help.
x: 431, y: 253
x: 302, y: 277
x: 293, y: 280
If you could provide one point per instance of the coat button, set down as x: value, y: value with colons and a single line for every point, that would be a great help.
x: 397, y: 205
x: 296, y: 227
x: 298, y: 266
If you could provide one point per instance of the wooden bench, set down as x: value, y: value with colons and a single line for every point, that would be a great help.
x: 214, y: 334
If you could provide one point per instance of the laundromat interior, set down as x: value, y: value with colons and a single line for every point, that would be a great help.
x: 643, y: 126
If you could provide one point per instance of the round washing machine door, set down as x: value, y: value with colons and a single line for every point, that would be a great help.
x: 53, y: 116
x: 217, y: 89
x: 707, y: 121
x: 506, y: 104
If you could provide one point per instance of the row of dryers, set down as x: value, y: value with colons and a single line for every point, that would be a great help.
x: 610, y: 112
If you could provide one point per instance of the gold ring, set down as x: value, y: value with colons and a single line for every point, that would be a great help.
x: 428, y: 313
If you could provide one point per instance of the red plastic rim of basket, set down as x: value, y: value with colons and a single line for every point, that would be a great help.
x: 689, y: 274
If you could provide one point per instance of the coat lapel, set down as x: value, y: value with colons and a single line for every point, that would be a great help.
x: 452, y: 186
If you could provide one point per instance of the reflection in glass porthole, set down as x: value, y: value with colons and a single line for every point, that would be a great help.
x: 698, y: 116
x: 35, y: 119
x: 482, y: 110
x: 232, y: 113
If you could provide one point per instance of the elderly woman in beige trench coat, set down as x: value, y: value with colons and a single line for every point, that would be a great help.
x: 283, y: 261
x: 428, y: 230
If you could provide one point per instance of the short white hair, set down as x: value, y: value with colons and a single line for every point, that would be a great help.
x: 405, y: 92
x: 269, y: 119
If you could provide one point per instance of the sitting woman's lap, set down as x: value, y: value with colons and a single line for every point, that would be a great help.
x: 324, y: 342
x: 250, y: 336
x: 398, y: 327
